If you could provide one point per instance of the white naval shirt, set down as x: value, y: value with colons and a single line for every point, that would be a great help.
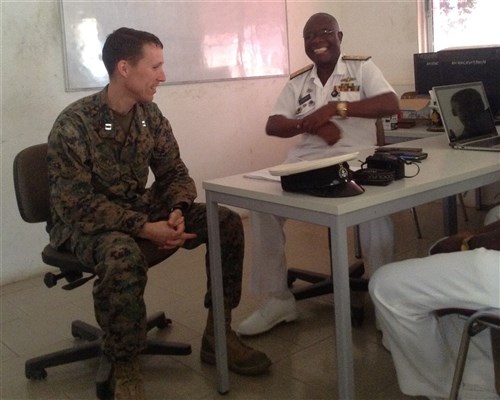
x: 351, y: 80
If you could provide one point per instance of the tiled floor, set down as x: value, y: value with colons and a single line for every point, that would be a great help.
x: 36, y: 320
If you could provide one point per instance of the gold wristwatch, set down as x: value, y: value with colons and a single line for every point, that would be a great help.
x: 342, y: 109
x: 465, y: 243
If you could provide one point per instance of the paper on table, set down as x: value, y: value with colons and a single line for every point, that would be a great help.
x: 262, y: 174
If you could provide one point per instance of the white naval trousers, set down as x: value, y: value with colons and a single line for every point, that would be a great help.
x: 268, y: 260
x: 424, y: 348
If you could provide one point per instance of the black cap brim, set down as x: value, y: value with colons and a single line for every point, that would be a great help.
x: 345, y: 189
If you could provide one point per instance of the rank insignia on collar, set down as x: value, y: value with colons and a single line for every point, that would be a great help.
x: 108, y: 127
x: 143, y: 123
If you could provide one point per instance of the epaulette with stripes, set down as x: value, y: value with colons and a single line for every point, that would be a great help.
x: 356, y: 58
x: 301, y: 71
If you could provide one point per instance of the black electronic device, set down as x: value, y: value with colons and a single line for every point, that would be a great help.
x: 426, y: 72
x: 405, y: 153
x: 472, y: 65
x: 388, y: 162
x: 373, y: 176
x: 460, y: 65
x: 398, y: 149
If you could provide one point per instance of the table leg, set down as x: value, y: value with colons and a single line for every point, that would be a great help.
x: 342, y: 301
x: 450, y: 215
x: 217, y: 295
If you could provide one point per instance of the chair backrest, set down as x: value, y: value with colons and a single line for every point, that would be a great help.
x: 379, y: 126
x: 31, y: 183
x: 486, y: 317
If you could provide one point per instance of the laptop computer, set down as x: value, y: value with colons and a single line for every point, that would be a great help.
x: 466, y: 116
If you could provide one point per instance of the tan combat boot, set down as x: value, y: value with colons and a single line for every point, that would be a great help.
x: 128, y: 381
x: 242, y: 359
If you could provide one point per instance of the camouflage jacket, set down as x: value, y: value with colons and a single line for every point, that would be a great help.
x: 98, y: 176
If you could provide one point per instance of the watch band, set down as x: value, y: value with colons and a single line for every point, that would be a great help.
x: 179, y: 206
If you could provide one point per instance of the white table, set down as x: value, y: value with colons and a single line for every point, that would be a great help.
x: 444, y: 174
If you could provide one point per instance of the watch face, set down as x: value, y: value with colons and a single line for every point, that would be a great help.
x: 342, y: 109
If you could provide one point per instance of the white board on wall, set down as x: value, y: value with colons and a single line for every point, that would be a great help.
x: 203, y: 40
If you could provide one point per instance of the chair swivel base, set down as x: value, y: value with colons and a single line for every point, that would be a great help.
x: 322, y: 284
x: 92, y: 348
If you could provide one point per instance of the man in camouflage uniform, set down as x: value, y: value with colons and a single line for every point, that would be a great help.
x: 100, y: 151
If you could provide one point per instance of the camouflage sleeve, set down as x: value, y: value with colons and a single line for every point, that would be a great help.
x: 74, y: 201
x: 172, y: 184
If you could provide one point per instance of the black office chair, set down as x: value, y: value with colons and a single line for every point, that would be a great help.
x: 32, y: 193
x: 322, y: 284
x: 476, y: 321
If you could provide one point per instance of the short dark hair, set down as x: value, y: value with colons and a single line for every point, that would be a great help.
x: 469, y: 100
x: 126, y: 44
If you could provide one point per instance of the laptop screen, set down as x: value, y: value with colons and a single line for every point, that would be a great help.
x: 465, y: 111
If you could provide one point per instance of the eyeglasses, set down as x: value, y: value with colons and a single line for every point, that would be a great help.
x: 322, y: 34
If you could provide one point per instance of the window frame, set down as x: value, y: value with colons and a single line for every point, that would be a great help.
x: 425, y: 27
x: 425, y: 32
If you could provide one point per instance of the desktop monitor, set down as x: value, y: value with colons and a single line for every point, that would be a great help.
x: 426, y: 72
x: 471, y: 65
x: 461, y: 65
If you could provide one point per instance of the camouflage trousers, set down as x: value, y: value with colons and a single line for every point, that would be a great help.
x: 121, y: 270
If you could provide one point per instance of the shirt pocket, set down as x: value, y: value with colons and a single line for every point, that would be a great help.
x: 105, y: 166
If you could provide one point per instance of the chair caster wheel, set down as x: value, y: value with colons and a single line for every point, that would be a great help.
x: 35, y: 373
x: 105, y: 391
x: 163, y: 322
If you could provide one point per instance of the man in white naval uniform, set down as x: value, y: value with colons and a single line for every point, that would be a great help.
x: 463, y: 271
x: 333, y: 105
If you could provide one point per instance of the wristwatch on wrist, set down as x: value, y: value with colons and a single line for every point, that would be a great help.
x: 179, y: 206
x: 465, y: 243
x: 342, y: 109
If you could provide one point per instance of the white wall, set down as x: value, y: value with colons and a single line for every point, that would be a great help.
x: 219, y: 126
